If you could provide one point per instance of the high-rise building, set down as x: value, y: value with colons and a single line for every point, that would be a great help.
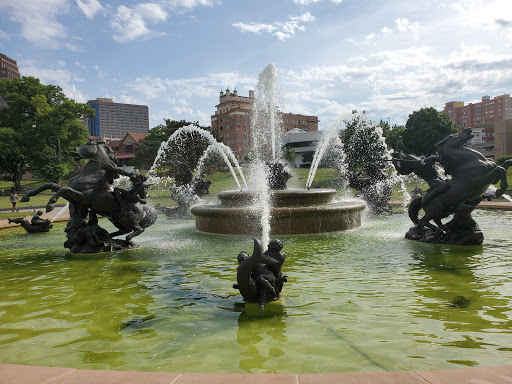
x: 115, y: 120
x: 479, y: 114
x: 8, y: 70
x: 231, y: 121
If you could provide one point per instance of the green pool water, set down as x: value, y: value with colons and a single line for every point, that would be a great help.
x: 361, y: 300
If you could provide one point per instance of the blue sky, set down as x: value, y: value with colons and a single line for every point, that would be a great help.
x: 388, y: 58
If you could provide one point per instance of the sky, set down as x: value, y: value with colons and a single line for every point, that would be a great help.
x: 388, y: 58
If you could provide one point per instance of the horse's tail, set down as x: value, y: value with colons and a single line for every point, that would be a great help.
x: 414, y: 208
x: 150, y: 215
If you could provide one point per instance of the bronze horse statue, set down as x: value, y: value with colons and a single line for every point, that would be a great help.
x: 91, y: 192
x: 471, y: 174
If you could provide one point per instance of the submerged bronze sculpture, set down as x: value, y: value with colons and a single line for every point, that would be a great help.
x: 259, y: 277
x: 36, y: 225
x: 91, y: 193
x: 471, y: 174
x: 278, y: 174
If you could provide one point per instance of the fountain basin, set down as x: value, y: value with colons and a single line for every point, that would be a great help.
x: 293, y: 212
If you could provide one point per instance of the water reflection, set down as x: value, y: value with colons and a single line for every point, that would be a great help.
x: 452, y: 291
x: 86, y: 305
x: 263, y: 334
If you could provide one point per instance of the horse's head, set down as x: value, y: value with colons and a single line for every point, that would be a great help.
x: 456, y: 139
x: 96, y: 150
x: 406, y: 163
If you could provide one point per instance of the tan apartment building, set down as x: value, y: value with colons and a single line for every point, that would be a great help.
x: 232, y: 119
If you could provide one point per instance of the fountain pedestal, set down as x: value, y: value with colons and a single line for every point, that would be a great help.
x: 293, y: 212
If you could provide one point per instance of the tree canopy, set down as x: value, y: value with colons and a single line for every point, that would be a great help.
x: 187, y: 150
x: 41, y: 125
x: 362, y: 143
x: 424, y: 129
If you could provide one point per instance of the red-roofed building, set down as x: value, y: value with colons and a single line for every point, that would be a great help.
x: 124, y: 149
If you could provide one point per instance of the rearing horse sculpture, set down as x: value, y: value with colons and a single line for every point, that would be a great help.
x: 471, y: 174
x: 91, y: 192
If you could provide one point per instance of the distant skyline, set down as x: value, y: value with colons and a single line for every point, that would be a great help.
x: 388, y: 58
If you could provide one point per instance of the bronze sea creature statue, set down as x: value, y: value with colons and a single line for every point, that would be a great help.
x: 36, y: 225
x: 259, y: 276
x: 471, y: 173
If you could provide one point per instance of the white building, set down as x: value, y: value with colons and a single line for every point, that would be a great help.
x: 301, y: 141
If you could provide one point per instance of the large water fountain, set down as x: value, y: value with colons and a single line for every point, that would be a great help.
x: 263, y: 210
x: 357, y: 301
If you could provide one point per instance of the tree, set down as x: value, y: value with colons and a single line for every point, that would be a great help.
x: 289, y: 155
x: 46, y: 125
x: 424, y: 129
x: 307, y: 157
x: 393, y: 135
x: 362, y: 144
x: 148, y: 148
x: 186, y: 149
x: 12, y: 159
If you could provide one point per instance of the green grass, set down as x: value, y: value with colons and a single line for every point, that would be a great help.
x: 220, y: 182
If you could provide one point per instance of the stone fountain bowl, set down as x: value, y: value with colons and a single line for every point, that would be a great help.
x: 293, y: 212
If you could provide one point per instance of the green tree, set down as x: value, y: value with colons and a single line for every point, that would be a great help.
x: 289, y: 156
x: 46, y: 124
x: 186, y: 149
x: 307, y: 157
x: 12, y: 158
x: 424, y: 129
x: 148, y: 148
x: 362, y: 144
x: 393, y: 135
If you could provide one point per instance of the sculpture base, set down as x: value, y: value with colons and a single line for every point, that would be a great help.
x: 454, y: 236
x: 91, y: 238
x: 292, y: 212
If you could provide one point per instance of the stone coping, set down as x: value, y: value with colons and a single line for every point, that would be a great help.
x: 23, y: 374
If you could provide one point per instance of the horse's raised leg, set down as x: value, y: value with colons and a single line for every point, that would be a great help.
x: 498, y: 174
x: 69, y: 194
x: 53, y: 186
x: 137, y: 230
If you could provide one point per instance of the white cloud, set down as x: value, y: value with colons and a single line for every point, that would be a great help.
x: 386, y: 31
x: 177, y: 4
x: 130, y: 24
x: 404, y: 25
x: 396, y: 82
x: 61, y: 77
x: 254, y: 27
x: 283, y: 30
x: 38, y: 19
x: 152, y: 12
x: 308, y: 2
x: 305, y: 2
x: 89, y: 7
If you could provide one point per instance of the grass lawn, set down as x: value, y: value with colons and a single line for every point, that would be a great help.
x: 220, y: 182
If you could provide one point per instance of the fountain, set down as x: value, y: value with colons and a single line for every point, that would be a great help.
x: 365, y: 300
x: 267, y: 206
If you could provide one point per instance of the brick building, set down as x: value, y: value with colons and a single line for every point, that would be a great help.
x: 485, y: 118
x: 115, y: 120
x: 232, y: 121
x: 8, y: 70
x: 479, y: 114
x: 124, y: 149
